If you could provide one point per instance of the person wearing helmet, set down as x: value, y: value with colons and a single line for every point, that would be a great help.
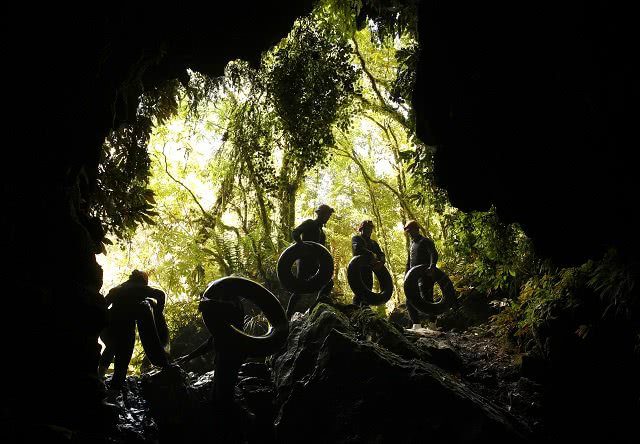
x: 422, y: 250
x: 362, y: 244
x: 311, y: 230
x: 120, y: 335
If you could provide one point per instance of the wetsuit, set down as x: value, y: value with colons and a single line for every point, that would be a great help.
x: 360, y: 245
x: 422, y: 251
x: 309, y: 230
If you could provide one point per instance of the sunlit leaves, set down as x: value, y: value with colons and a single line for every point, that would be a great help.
x: 311, y: 80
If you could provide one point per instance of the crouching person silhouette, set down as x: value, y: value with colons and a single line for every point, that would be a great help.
x: 130, y: 303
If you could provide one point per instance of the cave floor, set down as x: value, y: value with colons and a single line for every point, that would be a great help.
x: 492, y: 368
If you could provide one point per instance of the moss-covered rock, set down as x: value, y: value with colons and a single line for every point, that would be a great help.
x: 349, y: 375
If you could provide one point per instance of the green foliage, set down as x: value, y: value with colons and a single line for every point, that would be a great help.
x: 311, y: 81
x: 591, y: 294
x: 122, y: 199
x: 233, y: 164
x: 391, y: 17
x: 257, y: 325
x: 490, y: 255
x: 614, y: 280
x: 407, y: 57
x: 387, y: 17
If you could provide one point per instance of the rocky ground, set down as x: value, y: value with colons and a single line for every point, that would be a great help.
x: 347, y: 375
x: 491, y: 368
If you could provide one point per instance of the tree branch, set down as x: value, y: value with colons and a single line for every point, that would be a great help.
x: 195, y: 199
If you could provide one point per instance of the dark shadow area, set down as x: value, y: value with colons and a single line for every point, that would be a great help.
x: 533, y: 110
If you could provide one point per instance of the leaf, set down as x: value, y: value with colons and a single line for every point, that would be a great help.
x: 147, y: 219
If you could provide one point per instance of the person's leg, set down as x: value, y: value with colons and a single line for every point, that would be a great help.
x: 325, y: 292
x: 324, y: 295
x: 125, y: 339
x: 231, y: 420
x: 414, y: 313
x: 425, y: 287
x: 306, y: 268
x: 227, y: 364
x: 105, y: 359
x: 367, y: 277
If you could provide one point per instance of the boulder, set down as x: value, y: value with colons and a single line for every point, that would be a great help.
x: 357, y: 378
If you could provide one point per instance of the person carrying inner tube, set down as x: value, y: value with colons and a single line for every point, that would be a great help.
x: 421, y: 251
x: 362, y: 244
x: 311, y: 230
x: 130, y: 302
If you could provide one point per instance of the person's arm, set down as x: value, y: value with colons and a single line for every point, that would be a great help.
x: 357, y: 246
x: 378, y: 251
x: 297, y: 232
x: 433, y: 253
x: 434, y: 256
x: 160, y: 298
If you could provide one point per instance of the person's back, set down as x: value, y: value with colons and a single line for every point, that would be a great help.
x: 309, y: 230
x: 129, y: 294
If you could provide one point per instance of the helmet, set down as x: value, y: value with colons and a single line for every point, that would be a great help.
x: 365, y: 223
x: 326, y: 209
x: 140, y: 276
x: 412, y: 224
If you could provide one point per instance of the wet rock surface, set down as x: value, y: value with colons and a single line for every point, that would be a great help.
x: 491, y: 369
x: 350, y: 376
x: 346, y: 375
x: 174, y: 406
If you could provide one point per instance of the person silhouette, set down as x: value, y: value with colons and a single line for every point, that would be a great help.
x: 362, y: 244
x: 311, y: 230
x: 421, y: 251
x: 130, y: 303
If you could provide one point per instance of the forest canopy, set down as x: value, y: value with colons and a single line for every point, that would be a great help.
x: 213, y: 175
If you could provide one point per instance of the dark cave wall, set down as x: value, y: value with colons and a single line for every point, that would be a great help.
x: 530, y: 105
x: 71, y: 75
x: 533, y: 108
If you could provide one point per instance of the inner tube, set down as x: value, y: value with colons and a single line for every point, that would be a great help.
x: 430, y: 276
x: 151, y: 343
x: 354, y: 277
x: 305, y: 250
x: 216, y: 312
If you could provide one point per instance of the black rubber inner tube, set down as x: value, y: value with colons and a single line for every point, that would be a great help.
x: 354, y: 277
x: 429, y: 277
x: 306, y: 251
x: 148, y: 332
x: 216, y: 312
